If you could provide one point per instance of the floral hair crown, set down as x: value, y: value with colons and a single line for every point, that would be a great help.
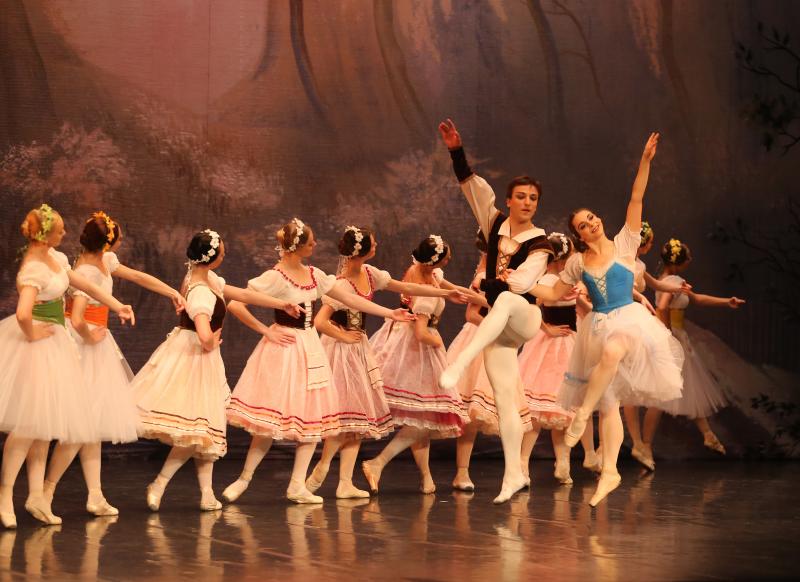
x: 359, y: 236
x: 47, y: 217
x: 675, y: 248
x: 214, y: 244
x: 438, y: 250
x: 296, y: 241
x: 562, y: 238
x: 646, y: 233
x: 110, y: 225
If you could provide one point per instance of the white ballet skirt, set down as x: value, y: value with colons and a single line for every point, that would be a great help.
x: 650, y: 372
x: 285, y: 392
x: 182, y: 390
x: 411, y: 373
x: 107, y: 373
x: 702, y: 396
x: 43, y: 394
x: 355, y: 373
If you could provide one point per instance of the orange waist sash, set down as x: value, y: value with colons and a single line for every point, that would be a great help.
x: 94, y: 314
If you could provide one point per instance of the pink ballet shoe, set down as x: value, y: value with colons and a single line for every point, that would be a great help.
x: 372, y: 478
x: 9, y: 520
x: 574, y: 432
x: 605, y: 485
x: 644, y: 457
x: 154, y: 494
x: 317, y: 477
x: 711, y: 441
x: 101, y: 508
x: 561, y: 473
x: 509, y: 490
x: 39, y: 508
x: 462, y: 482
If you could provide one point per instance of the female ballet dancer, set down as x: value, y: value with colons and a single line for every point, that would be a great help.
x: 182, y: 391
x: 285, y: 391
x: 543, y: 362
x: 517, y: 257
x: 43, y: 394
x: 411, y: 358
x: 642, y: 434
x: 356, y: 375
x: 621, y: 351
x: 474, y: 386
x: 106, y: 371
x: 701, y: 396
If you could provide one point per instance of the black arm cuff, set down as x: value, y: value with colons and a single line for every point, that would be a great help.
x: 460, y: 165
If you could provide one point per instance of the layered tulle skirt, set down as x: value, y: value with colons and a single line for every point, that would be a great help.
x: 108, y: 377
x: 358, y: 382
x: 648, y: 375
x: 543, y: 363
x: 43, y: 393
x: 181, y: 393
x: 411, y: 373
x: 476, y: 389
x: 702, y: 395
x: 285, y: 392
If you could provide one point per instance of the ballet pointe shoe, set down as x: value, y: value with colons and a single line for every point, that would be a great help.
x: 38, y: 507
x: 605, y: 485
x: 576, y: 428
x: 154, y: 494
x: 234, y: 490
x: 9, y: 519
x: 462, y: 482
x: 508, y: 490
x: 208, y: 502
x: 372, y: 475
x: 593, y: 462
x: 101, y: 507
x: 297, y: 493
x: 710, y: 441
x: 561, y: 473
x: 346, y: 490
x: 426, y: 485
x: 316, y: 478
x: 644, y: 455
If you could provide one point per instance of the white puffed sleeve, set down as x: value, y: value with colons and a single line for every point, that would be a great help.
x: 481, y: 199
x: 425, y: 305
x: 60, y: 258
x: 217, y: 283
x: 627, y: 242
x: 110, y: 261
x: 269, y: 282
x: 573, y: 269
x: 380, y: 279
x: 34, y: 274
x: 525, y: 276
x: 324, y: 282
x: 438, y: 274
x: 200, y: 301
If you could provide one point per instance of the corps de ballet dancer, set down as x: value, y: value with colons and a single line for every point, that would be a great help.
x: 411, y: 357
x: 356, y: 375
x: 182, y: 390
x: 621, y: 350
x: 105, y: 369
x: 43, y: 394
x: 517, y: 257
x: 285, y: 391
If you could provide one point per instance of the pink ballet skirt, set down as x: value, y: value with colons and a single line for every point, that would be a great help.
x: 542, y: 365
x: 411, y: 373
x: 357, y: 379
x: 476, y: 390
x: 285, y: 392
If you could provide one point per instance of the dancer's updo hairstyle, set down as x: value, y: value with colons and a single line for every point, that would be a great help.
x: 204, y: 247
x: 350, y: 238
x: 674, y: 252
x: 562, y: 246
x: 646, y: 233
x: 431, y: 251
x: 38, y: 223
x: 100, y: 233
x: 292, y: 235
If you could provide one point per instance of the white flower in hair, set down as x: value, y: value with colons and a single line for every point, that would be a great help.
x: 439, y: 249
x: 358, y: 236
x: 564, y: 244
x: 214, y: 244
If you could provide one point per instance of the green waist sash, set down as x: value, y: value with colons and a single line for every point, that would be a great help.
x: 50, y: 311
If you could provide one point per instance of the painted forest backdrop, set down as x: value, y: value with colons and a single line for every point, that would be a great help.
x: 175, y: 116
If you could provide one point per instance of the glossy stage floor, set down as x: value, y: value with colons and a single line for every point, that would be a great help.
x: 690, y: 520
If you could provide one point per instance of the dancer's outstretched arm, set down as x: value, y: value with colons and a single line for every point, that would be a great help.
x: 452, y: 292
x: 151, y: 284
x: 664, y: 287
x: 714, y: 301
x: 340, y: 293
x: 253, y: 297
x: 633, y: 218
x: 124, y: 312
x: 554, y: 293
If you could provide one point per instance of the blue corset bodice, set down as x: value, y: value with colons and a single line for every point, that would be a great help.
x: 612, y: 290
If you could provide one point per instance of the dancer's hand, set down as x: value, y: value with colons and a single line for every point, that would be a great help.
x: 505, y: 275
x: 293, y: 310
x: 556, y: 330
x: 450, y: 134
x: 96, y: 335
x: 735, y: 302
x: 456, y: 296
x: 649, y: 306
x: 402, y: 315
x: 685, y: 288
x: 351, y: 336
x: 126, y: 314
x: 650, y: 147
x: 278, y: 334
x: 217, y: 340
x: 178, y: 301
x: 40, y: 332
